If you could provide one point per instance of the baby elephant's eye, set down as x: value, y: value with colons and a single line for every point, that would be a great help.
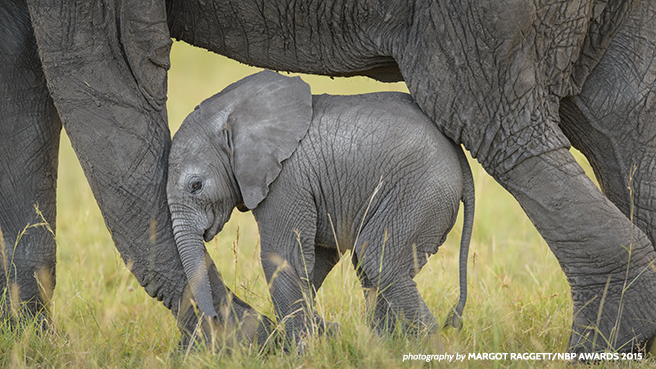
x: 196, y: 185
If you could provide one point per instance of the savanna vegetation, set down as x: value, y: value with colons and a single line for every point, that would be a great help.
x: 518, y: 297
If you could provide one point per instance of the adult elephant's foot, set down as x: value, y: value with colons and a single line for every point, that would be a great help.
x: 607, y: 260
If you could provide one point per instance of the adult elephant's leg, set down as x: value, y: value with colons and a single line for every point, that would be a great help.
x: 613, y: 120
x: 607, y: 261
x: 29, y: 143
x: 106, y: 66
x: 499, y: 98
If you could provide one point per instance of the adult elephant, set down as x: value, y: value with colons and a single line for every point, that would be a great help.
x: 496, y: 76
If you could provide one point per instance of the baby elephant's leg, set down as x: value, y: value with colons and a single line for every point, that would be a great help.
x: 377, y: 308
x: 290, y: 294
x: 391, y: 294
x: 407, y: 306
x: 397, y: 303
x: 325, y: 259
x: 289, y: 261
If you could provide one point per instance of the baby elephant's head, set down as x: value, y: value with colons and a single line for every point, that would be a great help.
x: 225, y: 154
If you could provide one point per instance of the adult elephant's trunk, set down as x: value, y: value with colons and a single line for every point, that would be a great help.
x: 192, y: 253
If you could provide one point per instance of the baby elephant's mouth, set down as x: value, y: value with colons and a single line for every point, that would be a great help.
x: 210, y: 222
x: 212, y: 231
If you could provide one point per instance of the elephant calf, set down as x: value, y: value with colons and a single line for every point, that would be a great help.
x: 322, y: 175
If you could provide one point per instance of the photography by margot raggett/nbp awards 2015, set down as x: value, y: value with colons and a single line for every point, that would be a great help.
x: 525, y: 356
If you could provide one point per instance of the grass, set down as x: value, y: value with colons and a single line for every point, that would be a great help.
x: 519, y: 300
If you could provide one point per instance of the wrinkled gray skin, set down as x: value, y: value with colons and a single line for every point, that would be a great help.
x: 322, y: 174
x: 513, y: 81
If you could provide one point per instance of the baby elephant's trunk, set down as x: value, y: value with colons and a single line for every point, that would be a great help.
x: 192, y: 253
x: 455, y: 317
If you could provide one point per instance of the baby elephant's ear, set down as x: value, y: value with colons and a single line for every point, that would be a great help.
x: 270, y: 116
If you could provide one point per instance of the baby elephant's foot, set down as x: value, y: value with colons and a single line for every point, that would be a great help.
x: 330, y: 329
x: 319, y: 328
x: 433, y: 340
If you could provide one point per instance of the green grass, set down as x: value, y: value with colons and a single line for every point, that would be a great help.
x: 519, y: 300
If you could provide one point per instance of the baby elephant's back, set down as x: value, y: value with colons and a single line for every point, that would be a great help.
x: 384, y: 131
x: 382, y: 143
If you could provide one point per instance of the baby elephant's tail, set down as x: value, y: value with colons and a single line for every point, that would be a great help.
x: 455, y: 317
